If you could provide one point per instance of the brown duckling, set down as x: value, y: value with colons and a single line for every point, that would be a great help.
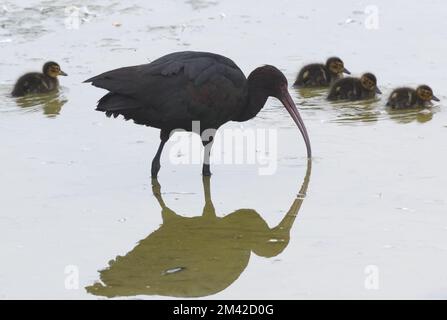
x: 35, y: 82
x: 403, y: 98
x: 362, y: 88
x: 321, y: 75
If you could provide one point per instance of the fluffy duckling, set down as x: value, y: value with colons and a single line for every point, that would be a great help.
x: 321, y: 75
x: 35, y: 82
x: 353, y: 89
x: 403, y: 98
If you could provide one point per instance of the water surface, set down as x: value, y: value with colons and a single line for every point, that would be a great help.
x: 76, y: 189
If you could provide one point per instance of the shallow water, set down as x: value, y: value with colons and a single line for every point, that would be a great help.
x: 77, y: 198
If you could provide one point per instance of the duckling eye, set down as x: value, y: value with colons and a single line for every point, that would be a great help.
x: 335, y: 66
x: 426, y: 94
x: 368, y: 83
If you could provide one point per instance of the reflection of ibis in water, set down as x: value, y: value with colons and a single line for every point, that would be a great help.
x: 196, y: 257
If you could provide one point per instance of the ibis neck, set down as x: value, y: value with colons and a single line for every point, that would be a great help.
x: 256, y: 99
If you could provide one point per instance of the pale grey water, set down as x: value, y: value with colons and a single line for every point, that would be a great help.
x: 75, y: 187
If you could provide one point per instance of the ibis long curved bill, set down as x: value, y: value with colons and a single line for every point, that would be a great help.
x: 289, y: 104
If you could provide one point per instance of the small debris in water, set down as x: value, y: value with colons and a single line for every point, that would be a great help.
x: 276, y: 240
x: 349, y: 21
x: 388, y: 246
x: 180, y: 154
x: 405, y: 209
x: 173, y: 270
x: 116, y: 24
x: 87, y: 11
x: 48, y: 162
x: 122, y: 220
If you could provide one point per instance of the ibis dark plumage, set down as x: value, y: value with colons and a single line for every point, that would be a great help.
x: 179, y: 88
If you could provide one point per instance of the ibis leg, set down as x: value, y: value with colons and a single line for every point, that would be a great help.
x: 208, y: 209
x: 164, y: 136
x: 206, y: 157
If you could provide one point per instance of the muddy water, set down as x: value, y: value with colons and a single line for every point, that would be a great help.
x: 80, y: 217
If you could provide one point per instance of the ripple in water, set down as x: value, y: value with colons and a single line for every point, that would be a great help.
x: 50, y: 104
x: 357, y: 112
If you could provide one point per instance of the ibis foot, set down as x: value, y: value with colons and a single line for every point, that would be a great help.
x: 155, y: 168
x: 156, y: 189
x: 164, y: 136
x: 206, y: 172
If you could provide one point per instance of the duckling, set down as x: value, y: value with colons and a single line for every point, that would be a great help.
x: 35, y: 82
x: 403, y: 98
x: 352, y: 89
x: 321, y: 75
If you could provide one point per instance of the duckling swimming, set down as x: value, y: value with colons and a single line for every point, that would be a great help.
x: 321, y: 75
x: 403, y: 98
x: 353, y: 89
x: 35, y: 82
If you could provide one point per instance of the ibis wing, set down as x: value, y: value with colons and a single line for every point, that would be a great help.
x: 127, y: 80
x: 178, y: 86
x: 197, y: 67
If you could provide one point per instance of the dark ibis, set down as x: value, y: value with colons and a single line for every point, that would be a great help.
x: 180, y: 88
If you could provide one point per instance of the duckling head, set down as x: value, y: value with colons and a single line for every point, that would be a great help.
x: 425, y: 93
x: 369, y: 82
x: 53, y: 70
x: 336, y: 66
